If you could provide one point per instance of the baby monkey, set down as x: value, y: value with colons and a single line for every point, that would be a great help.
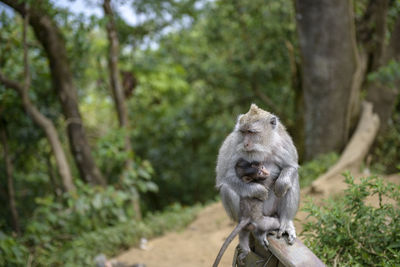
x: 257, y: 172
x: 251, y: 218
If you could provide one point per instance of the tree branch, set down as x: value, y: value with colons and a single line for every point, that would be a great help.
x: 393, y: 51
x: 11, y: 84
x: 27, y: 76
x: 41, y: 120
x: 371, y: 30
x: 20, y: 88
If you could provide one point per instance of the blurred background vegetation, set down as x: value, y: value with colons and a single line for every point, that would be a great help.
x: 140, y: 109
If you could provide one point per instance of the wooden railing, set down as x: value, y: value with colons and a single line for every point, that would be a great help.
x: 279, y: 254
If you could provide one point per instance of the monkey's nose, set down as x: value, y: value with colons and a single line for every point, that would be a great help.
x: 247, y: 147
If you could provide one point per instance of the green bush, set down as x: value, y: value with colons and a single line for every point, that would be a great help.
x: 310, y: 170
x: 48, y: 246
x: 348, y: 232
x: 82, y: 250
x: 385, y: 155
x: 12, y: 253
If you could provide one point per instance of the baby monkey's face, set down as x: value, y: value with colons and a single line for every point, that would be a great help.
x: 262, y: 173
x: 251, y: 171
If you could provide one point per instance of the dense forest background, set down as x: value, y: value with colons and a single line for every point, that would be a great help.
x: 103, y: 122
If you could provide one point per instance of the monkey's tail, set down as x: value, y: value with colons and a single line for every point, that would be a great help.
x: 229, y: 239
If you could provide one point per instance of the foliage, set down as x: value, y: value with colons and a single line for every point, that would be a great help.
x: 239, y: 48
x: 179, y: 134
x: 349, y: 232
x: 385, y: 155
x: 387, y: 75
x: 194, y: 85
x: 87, y: 209
x: 81, y: 250
x: 12, y: 252
x: 111, y: 155
x: 310, y: 171
x: 199, y: 64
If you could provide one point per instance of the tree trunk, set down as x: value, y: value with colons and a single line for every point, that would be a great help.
x: 329, y: 69
x: 50, y: 171
x: 39, y: 118
x: 297, y: 129
x: 384, y: 97
x: 55, y: 143
x: 371, y: 31
x: 50, y: 131
x: 116, y: 86
x: 10, y: 183
x: 393, y: 51
x: 52, y: 40
x: 118, y: 92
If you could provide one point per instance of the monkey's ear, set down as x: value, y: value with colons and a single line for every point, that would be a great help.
x: 273, y: 121
x: 238, y: 122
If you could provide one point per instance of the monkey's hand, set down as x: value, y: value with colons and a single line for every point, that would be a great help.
x: 243, y: 189
x: 261, y: 194
x: 281, y: 187
x: 252, y: 190
x: 285, y: 181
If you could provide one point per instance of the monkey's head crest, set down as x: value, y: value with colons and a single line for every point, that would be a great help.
x: 254, y: 114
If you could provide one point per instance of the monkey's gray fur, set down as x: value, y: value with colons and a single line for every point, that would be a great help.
x: 259, y: 136
x: 251, y: 218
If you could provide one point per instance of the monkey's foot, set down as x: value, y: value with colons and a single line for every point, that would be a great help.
x: 262, y: 239
x: 273, y: 232
x: 289, y: 230
x: 242, y: 255
x: 291, y: 239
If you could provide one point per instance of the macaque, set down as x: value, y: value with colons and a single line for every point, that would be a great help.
x: 256, y: 171
x: 251, y: 218
x: 259, y: 136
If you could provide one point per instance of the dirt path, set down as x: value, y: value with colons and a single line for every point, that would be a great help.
x: 199, y: 243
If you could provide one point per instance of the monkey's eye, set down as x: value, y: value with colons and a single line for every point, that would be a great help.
x: 273, y: 121
x: 244, y: 132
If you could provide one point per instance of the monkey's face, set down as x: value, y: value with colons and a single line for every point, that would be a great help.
x: 256, y: 130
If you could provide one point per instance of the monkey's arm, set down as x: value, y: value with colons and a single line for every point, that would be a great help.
x: 243, y: 189
x: 226, y: 174
x: 285, y: 180
x: 232, y: 192
x: 287, y: 159
x: 224, y: 162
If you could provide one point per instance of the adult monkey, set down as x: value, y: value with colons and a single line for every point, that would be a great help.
x: 259, y: 136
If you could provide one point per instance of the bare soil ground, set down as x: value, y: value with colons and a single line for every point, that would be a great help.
x: 199, y: 243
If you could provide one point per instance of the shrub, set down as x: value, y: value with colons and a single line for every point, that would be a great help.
x: 12, y: 253
x: 348, y: 232
x: 385, y: 155
x: 310, y: 170
x: 47, y: 248
x: 82, y: 250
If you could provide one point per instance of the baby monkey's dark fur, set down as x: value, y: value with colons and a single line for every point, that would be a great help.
x: 251, y: 218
